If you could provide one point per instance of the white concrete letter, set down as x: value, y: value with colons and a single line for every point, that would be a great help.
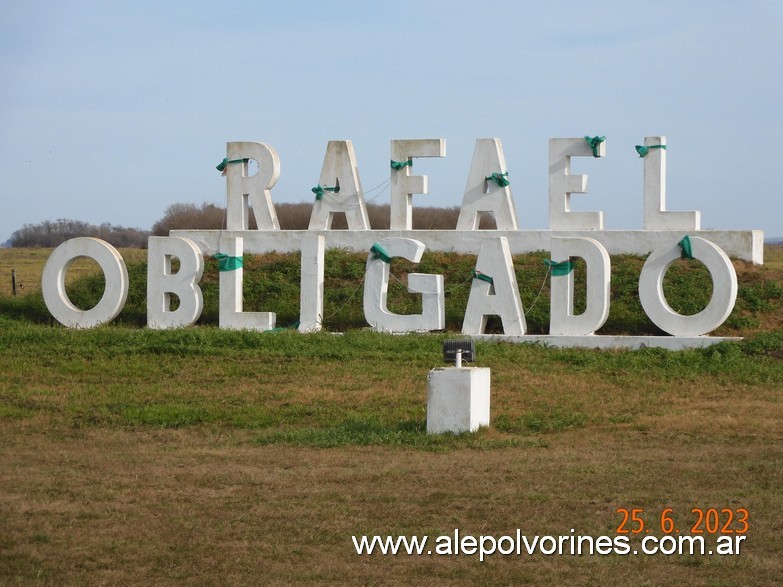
x: 162, y: 283
x: 486, y: 196
x: 724, y: 289
x: 403, y: 184
x: 340, y: 172
x: 311, y: 296
x: 562, y: 184
x: 656, y: 216
x: 245, y: 190
x: 376, y: 287
x: 231, y: 314
x: 114, y: 272
x: 562, y: 321
x: 499, y: 298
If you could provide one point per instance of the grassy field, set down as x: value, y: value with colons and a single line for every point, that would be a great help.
x: 200, y: 456
x: 28, y: 264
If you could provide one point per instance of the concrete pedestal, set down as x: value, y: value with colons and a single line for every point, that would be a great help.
x: 457, y: 399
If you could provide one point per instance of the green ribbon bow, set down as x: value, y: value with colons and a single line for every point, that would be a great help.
x: 481, y: 276
x: 226, y: 162
x: 500, y: 178
x: 685, y: 245
x: 559, y: 269
x: 379, y: 253
x: 644, y: 149
x: 397, y: 165
x: 227, y: 262
x: 594, y: 142
x: 319, y: 191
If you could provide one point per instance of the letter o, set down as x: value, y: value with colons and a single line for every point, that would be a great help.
x: 543, y: 549
x: 114, y: 271
x: 511, y: 545
x: 724, y: 289
x: 668, y: 540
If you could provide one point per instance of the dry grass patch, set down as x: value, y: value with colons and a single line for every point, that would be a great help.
x: 140, y: 457
x: 188, y: 506
x: 29, y: 264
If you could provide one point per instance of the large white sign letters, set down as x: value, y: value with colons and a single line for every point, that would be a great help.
x: 666, y: 236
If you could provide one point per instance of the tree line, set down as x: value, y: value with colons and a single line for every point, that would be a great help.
x: 210, y: 216
x: 51, y: 233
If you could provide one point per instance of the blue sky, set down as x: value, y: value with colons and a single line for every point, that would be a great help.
x: 111, y: 111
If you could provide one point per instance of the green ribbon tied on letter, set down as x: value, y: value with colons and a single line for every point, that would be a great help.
x: 481, y: 276
x: 397, y: 165
x: 500, y: 178
x: 227, y: 262
x: 685, y: 245
x: 644, y: 149
x: 379, y: 253
x: 319, y: 191
x: 559, y: 269
x: 226, y: 162
x: 594, y: 142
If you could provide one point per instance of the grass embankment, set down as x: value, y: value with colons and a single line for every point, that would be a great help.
x: 203, y: 456
x: 271, y: 283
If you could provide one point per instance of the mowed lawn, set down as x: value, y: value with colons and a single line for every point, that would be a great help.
x: 200, y: 456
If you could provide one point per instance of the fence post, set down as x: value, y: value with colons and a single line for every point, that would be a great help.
x: 13, y: 281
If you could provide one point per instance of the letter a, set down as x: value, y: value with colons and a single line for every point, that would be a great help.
x: 341, y: 190
x: 487, y: 196
x: 499, y: 298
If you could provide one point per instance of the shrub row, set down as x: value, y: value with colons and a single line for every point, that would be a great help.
x: 297, y: 217
x: 52, y: 233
